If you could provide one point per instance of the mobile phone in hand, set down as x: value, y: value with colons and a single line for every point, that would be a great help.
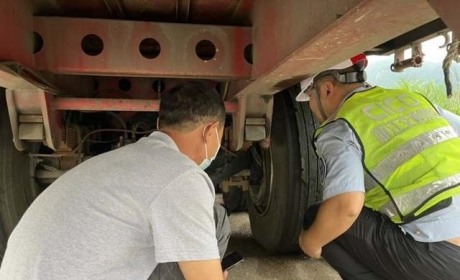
x: 230, y: 260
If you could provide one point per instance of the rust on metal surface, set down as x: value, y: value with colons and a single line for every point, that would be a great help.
x: 112, y: 104
x: 287, y: 25
x: 51, y: 120
x: 113, y: 48
x: 363, y: 27
x: 16, y: 32
x: 448, y: 11
x: 291, y: 40
x: 105, y: 104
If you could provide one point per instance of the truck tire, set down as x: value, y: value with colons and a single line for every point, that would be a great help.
x: 290, y: 176
x: 14, y: 179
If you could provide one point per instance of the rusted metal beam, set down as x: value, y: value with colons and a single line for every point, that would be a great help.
x: 286, y: 25
x: 17, y: 41
x: 105, y: 104
x: 448, y: 11
x: 120, y: 48
x: 10, y: 80
x: 366, y: 25
x: 292, y: 56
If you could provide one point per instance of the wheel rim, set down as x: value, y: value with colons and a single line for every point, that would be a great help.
x: 261, y: 194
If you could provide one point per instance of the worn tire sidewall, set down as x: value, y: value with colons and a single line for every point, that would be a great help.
x: 277, y: 230
x: 14, y: 178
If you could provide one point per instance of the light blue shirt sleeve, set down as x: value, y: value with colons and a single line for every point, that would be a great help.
x: 453, y: 119
x: 340, y: 160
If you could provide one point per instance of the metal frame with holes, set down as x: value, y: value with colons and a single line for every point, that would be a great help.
x: 291, y: 40
x: 141, y: 49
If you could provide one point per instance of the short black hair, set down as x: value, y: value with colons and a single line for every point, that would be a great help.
x: 189, y: 105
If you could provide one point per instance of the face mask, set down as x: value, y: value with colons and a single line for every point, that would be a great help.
x: 207, y: 162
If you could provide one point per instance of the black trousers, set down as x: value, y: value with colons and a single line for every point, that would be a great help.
x: 376, y: 248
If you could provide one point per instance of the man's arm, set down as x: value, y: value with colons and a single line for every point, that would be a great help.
x: 202, y: 270
x: 343, y: 194
x: 183, y: 227
x: 335, y: 216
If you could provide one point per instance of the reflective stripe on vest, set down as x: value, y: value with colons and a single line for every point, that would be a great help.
x: 411, y: 200
x: 410, y: 149
x: 411, y: 154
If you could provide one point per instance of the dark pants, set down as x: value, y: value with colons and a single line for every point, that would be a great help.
x: 376, y: 248
x: 171, y: 271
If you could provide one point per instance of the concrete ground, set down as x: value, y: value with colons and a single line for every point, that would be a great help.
x: 259, y: 265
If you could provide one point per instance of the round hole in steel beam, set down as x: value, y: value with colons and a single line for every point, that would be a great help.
x: 149, y: 48
x: 158, y: 86
x: 37, y: 44
x: 205, y: 50
x: 124, y: 84
x: 92, y: 45
x: 248, y: 53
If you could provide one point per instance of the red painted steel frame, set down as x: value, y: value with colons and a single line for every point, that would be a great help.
x: 366, y: 25
x: 103, y: 104
x: 62, y: 51
x: 16, y: 26
x: 448, y: 10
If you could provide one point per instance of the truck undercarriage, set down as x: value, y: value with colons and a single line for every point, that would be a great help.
x: 81, y: 78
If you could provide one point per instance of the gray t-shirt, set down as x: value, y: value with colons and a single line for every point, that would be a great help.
x: 116, y: 216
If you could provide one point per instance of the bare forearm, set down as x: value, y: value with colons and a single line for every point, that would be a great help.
x: 335, y: 216
x: 202, y: 270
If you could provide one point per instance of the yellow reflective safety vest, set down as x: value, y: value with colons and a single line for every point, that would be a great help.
x: 410, y: 154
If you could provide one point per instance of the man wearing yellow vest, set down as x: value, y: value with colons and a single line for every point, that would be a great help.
x: 390, y: 163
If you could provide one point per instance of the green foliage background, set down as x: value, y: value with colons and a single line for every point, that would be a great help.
x: 433, y: 91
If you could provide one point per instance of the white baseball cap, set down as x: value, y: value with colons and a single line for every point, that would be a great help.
x: 360, y: 61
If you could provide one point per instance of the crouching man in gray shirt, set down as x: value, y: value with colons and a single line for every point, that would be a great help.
x: 144, y: 211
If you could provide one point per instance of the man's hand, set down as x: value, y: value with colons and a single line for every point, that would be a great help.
x: 308, y: 247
